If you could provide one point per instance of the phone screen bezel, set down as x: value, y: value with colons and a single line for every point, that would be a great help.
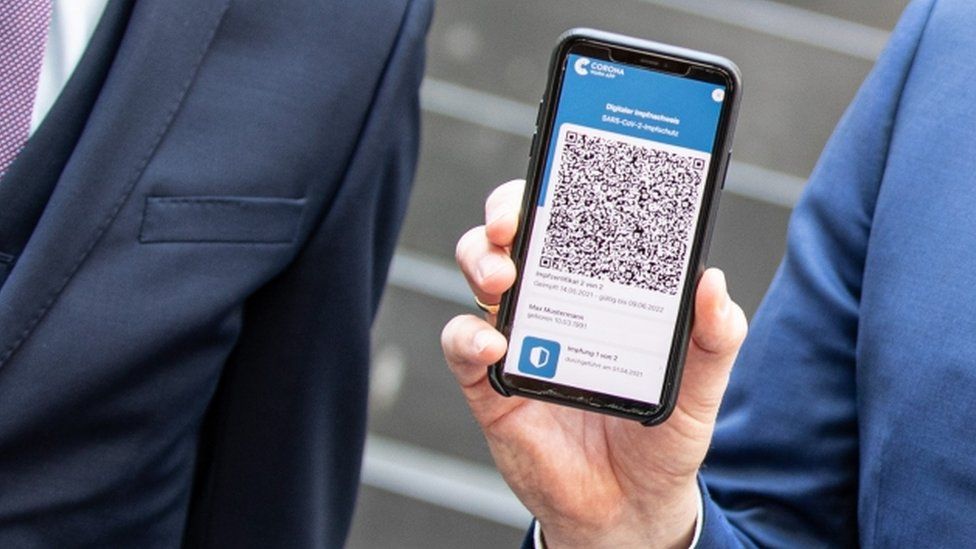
x: 646, y: 59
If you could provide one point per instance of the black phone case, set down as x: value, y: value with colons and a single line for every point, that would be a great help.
x: 699, y: 250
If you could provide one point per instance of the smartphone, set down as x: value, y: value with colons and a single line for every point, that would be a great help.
x: 633, y: 139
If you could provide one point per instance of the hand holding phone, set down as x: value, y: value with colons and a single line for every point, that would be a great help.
x: 633, y: 140
x: 591, y: 480
x: 596, y: 480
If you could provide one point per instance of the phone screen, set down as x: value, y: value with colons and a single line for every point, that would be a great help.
x: 608, y: 253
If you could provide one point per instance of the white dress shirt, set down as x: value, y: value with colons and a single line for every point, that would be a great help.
x: 72, y: 24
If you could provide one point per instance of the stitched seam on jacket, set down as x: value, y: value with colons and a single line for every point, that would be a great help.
x: 323, y: 215
x: 158, y: 202
x: 891, y: 131
x: 123, y: 197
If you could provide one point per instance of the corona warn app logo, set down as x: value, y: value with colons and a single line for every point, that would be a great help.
x: 580, y: 66
x: 585, y: 66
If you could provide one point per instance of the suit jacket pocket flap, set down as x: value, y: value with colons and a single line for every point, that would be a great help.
x: 230, y: 219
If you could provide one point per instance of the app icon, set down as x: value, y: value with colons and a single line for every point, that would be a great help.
x: 580, y: 66
x: 539, y: 357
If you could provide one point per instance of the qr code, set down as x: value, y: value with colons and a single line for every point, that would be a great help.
x: 622, y: 212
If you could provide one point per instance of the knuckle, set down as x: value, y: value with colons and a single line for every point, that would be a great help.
x: 698, y: 415
x: 515, y: 185
x: 739, y: 328
x: 494, y: 197
x: 450, y: 336
x: 466, y: 241
x: 505, y: 195
x: 742, y: 329
x: 447, y: 333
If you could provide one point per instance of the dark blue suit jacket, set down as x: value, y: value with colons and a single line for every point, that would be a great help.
x: 849, y: 417
x: 184, y: 338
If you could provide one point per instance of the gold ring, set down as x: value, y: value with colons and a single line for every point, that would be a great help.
x: 490, y: 309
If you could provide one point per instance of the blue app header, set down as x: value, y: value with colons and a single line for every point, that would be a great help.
x: 639, y: 102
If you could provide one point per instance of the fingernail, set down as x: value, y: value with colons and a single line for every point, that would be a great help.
x: 481, y: 340
x: 488, y: 265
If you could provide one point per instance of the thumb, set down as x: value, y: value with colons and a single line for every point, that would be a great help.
x: 717, y: 333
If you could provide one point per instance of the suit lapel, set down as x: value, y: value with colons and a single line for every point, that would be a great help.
x: 157, y: 61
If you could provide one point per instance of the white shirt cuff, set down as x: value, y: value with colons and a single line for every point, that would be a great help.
x: 537, y: 536
x: 698, y: 519
x: 537, y: 528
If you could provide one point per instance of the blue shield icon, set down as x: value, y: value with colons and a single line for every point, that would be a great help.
x: 539, y: 357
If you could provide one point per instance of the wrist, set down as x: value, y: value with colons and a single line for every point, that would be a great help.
x: 653, y: 522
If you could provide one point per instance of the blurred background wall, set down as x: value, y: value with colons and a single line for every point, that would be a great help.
x: 427, y: 476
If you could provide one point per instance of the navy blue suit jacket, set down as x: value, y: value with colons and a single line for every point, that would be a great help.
x: 849, y: 416
x: 184, y: 339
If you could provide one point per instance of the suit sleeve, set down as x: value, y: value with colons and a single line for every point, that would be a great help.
x: 281, y: 449
x: 783, y: 470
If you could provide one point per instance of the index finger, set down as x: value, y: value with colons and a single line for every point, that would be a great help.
x: 502, y: 212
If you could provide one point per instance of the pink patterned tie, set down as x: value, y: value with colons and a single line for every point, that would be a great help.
x: 23, y: 32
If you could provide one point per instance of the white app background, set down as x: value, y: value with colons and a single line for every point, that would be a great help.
x: 614, y: 338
